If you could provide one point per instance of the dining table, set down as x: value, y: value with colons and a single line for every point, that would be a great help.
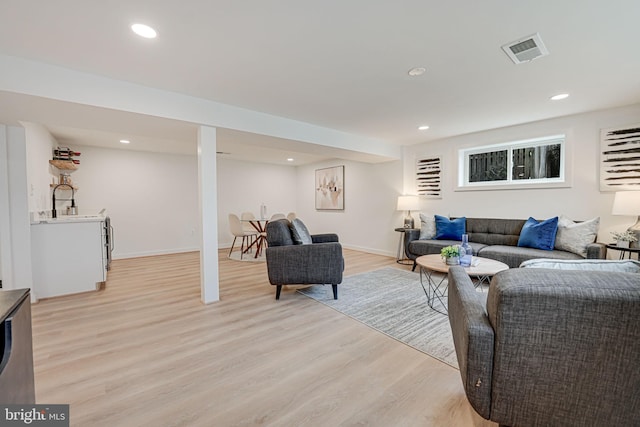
x: 260, y: 225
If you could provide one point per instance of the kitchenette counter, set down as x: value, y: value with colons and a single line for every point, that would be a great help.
x: 69, y: 254
x: 68, y: 218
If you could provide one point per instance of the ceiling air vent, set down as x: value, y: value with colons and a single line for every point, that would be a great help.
x: 526, y: 49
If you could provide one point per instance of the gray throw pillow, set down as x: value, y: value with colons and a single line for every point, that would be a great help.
x: 299, y: 233
x: 427, y: 227
x: 575, y: 236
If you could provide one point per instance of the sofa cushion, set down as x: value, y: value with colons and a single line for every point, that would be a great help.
x: 429, y: 247
x: 450, y: 229
x: 514, y: 256
x: 493, y: 231
x: 427, y: 227
x: 625, y: 266
x: 539, y: 235
x: 575, y: 236
x: 300, y: 233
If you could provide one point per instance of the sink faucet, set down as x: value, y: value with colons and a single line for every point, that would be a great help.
x: 53, y: 199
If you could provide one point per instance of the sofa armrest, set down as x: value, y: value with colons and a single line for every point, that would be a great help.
x: 324, y: 238
x: 596, y: 251
x: 473, y: 337
x: 320, y: 263
x: 410, y: 235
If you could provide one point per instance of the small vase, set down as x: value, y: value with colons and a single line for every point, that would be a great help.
x: 453, y: 260
x: 622, y: 244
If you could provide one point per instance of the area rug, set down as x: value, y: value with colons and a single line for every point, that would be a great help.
x: 392, y: 301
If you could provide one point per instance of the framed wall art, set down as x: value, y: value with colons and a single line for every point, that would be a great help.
x: 620, y: 158
x: 330, y: 188
x: 429, y: 176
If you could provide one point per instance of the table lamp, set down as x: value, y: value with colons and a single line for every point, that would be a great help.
x: 628, y: 203
x: 408, y: 203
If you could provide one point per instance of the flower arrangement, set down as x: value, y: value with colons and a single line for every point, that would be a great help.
x: 624, y: 236
x: 450, y: 251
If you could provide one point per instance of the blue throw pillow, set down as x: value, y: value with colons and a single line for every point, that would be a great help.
x: 447, y: 229
x: 539, y: 235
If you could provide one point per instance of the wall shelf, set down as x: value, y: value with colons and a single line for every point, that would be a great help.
x: 64, y: 187
x: 66, y: 165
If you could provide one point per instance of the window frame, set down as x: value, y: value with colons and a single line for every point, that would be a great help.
x: 463, y: 183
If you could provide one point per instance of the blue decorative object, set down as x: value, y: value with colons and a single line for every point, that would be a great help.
x: 466, y: 253
x: 450, y: 229
x: 539, y: 235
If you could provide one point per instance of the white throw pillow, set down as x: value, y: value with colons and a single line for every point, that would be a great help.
x: 625, y: 266
x: 427, y: 227
x: 575, y: 236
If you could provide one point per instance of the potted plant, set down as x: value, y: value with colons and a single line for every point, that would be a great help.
x: 624, y: 238
x: 451, y: 255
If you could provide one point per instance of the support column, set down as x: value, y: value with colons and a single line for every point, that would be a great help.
x: 15, y: 229
x: 208, y: 203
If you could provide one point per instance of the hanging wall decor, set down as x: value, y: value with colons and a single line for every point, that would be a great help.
x: 330, y: 188
x: 429, y: 177
x: 620, y: 158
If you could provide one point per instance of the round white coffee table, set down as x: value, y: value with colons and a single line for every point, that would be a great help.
x: 482, y: 272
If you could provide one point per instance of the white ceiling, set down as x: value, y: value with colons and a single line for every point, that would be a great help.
x: 336, y: 64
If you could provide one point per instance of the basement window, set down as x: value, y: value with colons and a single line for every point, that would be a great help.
x: 531, y: 163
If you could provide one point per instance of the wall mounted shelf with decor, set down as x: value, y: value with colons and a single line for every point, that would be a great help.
x: 66, y: 165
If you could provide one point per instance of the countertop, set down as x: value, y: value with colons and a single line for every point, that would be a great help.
x: 9, y: 300
x: 61, y: 219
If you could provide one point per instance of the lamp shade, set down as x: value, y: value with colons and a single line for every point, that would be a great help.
x: 626, y: 203
x: 408, y: 203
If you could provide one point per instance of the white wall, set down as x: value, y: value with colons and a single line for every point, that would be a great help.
x: 369, y: 217
x: 151, y: 198
x: 243, y: 186
x: 583, y: 200
x: 40, y: 173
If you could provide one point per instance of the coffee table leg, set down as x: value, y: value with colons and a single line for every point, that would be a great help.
x: 481, y: 280
x: 434, y: 291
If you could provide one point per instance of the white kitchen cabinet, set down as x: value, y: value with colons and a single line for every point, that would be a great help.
x: 68, y: 257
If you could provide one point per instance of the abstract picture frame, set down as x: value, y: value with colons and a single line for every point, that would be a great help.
x: 620, y: 158
x: 329, y: 188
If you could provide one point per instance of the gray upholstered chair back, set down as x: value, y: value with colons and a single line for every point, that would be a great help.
x: 279, y: 233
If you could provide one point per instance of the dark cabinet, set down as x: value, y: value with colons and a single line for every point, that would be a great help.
x: 16, y: 366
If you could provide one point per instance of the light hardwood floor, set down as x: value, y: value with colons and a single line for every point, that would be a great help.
x: 144, y: 351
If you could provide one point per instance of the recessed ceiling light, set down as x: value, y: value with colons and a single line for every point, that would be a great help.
x: 125, y: 141
x: 290, y: 159
x: 560, y: 96
x: 417, y: 71
x: 425, y: 127
x: 144, y: 31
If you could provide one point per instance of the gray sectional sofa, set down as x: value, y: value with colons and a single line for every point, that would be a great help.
x: 549, y: 347
x: 496, y: 239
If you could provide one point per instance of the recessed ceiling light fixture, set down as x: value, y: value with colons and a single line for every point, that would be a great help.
x: 424, y: 127
x: 559, y: 96
x: 417, y: 71
x: 125, y: 141
x: 144, y: 31
x: 290, y: 159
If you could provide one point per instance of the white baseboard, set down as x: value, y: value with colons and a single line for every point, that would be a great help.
x: 228, y: 245
x: 370, y: 250
x: 152, y: 253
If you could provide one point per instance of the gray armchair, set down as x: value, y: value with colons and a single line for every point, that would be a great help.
x: 550, y: 347
x: 290, y: 262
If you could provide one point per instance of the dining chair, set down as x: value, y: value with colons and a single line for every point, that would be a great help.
x: 277, y: 216
x: 247, y: 226
x: 291, y: 216
x: 238, y: 231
